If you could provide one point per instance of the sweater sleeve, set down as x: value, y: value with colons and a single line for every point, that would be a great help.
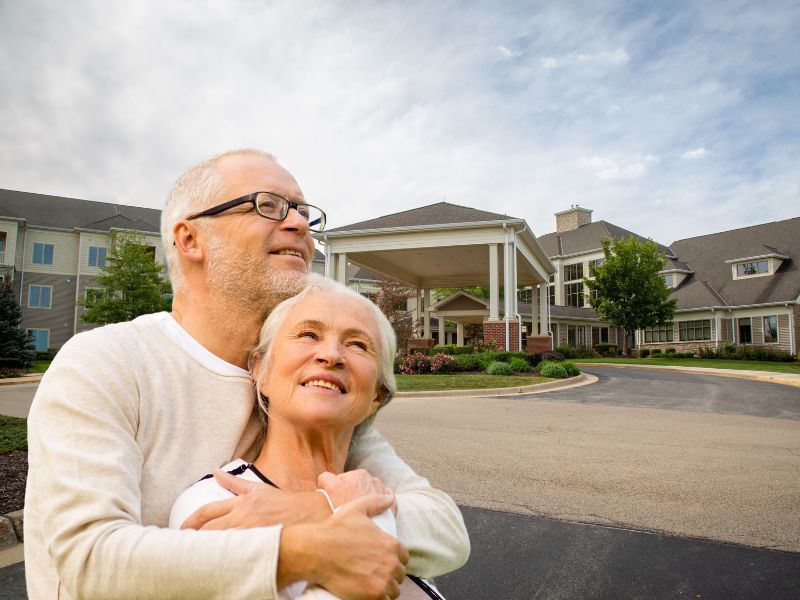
x: 86, y: 503
x: 429, y: 523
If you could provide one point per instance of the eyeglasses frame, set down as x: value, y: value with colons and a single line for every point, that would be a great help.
x: 290, y: 204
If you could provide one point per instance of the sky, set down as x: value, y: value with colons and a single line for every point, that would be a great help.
x: 670, y: 119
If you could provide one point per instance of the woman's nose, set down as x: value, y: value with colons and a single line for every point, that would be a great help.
x: 329, y: 353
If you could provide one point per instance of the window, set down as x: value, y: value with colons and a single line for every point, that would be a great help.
x: 2, y: 247
x: 573, y: 272
x: 93, y: 294
x: 97, y: 256
x: 42, y: 253
x: 41, y: 339
x: 690, y: 331
x: 551, y: 293
x: 39, y: 296
x: 525, y: 294
x: 668, y: 279
x: 599, y: 335
x: 748, y: 269
x: 771, y: 330
x: 593, y: 264
x: 745, y: 331
x: 658, y: 334
x: 573, y: 294
x: 576, y: 336
x: 152, y: 251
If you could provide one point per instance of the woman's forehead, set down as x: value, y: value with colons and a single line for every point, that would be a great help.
x: 333, y: 308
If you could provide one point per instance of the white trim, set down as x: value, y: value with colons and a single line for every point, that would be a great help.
x: 759, y: 257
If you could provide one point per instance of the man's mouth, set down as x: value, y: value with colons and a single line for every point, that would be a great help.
x: 290, y: 252
x: 321, y: 383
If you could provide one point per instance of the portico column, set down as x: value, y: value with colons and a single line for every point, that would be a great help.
x: 494, y: 284
x: 459, y: 334
x: 330, y: 265
x: 544, y: 301
x: 426, y: 315
x: 534, y: 310
x: 341, y: 268
x: 442, y: 337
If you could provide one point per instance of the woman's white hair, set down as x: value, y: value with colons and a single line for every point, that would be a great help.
x: 387, y: 342
x: 197, y: 189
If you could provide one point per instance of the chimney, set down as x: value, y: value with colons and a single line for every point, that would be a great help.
x: 571, y: 219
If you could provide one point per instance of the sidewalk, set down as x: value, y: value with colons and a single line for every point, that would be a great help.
x: 769, y: 376
x: 28, y: 378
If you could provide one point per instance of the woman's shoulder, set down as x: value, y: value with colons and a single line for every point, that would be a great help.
x: 203, y: 492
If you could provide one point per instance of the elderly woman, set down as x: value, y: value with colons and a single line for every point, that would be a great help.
x: 323, y: 367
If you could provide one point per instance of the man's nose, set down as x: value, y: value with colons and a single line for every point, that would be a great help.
x: 294, y: 221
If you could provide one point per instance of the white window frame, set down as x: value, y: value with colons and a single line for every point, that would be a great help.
x: 47, y: 331
x: 44, y: 246
x: 764, y: 330
x: 36, y: 285
x: 97, y: 256
x: 735, y: 268
x: 86, y: 292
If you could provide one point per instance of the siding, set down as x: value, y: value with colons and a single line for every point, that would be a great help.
x: 65, y: 252
x: 58, y: 319
x: 10, y: 228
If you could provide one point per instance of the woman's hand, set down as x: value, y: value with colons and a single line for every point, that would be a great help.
x: 352, y: 485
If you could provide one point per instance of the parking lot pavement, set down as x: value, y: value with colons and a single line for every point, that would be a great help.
x: 517, y: 557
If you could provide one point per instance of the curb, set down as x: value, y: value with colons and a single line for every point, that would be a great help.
x: 32, y: 378
x: 561, y: 384
x: 767, y: 376
x: 11, y: 529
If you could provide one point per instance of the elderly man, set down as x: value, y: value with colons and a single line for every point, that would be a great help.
x: 131, y: 414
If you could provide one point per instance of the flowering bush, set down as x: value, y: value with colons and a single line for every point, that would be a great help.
x: 418, y: 363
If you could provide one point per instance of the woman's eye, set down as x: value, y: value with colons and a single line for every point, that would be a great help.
x: 308, y: 334
x: 358, y: 344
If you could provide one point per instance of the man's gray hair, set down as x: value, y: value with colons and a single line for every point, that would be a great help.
x: 387, y: 341
x: 197, y: 189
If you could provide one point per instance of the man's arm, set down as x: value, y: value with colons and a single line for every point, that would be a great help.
x: 429, y: 524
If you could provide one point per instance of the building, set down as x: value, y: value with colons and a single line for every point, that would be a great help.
x: 739, y: 287
x: 52, y: 249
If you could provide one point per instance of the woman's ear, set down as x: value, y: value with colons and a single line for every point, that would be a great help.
x: 377, y: 402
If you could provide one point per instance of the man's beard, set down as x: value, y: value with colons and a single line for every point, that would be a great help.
x: 247, y: 282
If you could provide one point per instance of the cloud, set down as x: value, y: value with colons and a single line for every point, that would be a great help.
x: 614, y: 58
x: 507, y: 52
x: 607, y: 169
x: 695, y: 154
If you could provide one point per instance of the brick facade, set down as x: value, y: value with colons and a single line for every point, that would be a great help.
x: 538, y: 343
x: 414, y: 343
x: 496, y: 330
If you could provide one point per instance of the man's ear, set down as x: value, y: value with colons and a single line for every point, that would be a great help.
x: 185, y: 235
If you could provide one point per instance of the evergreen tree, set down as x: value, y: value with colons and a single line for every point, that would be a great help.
x: 15, y: 343
x: 133, y: 283
x: 629, y: 291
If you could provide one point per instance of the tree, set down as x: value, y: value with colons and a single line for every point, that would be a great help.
x: 392, y: 299
x: 15, y: 343
x: 133, y: 283
x: 629, y: 292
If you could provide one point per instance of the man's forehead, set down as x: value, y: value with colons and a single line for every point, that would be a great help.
x: 247, y: 173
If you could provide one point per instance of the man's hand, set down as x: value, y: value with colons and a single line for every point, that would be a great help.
x: 257, y: 505
x: 348, y: 554
x: 351, y: 485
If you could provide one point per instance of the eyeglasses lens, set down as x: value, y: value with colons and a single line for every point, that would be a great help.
x: 276, y: 207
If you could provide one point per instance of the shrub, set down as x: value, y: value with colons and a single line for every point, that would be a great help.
x: 644, y: 352
x: 669, y: 351
x: 571, y: 369
x: 459, y: 350
x: 606, y: 349
x: 552, y: 370
x: 468, y: 362
x: 746, y: 352
x: 551, y: 355
x: 414, y: 364
x: 482, y: 346
x: 656, y: 352
x: 499, y: 368
x: 442, y: 363
x: 519, y: 365
x: 577, y: 352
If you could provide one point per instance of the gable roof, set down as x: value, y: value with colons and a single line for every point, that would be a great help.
x: 42, y: 210
x: 712, y: 283
x: 441, y: 213
x: 587, y: 238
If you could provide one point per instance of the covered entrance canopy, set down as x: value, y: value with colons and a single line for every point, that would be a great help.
x: 447, y: 245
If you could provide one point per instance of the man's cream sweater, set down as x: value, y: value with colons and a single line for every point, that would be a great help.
x: 123, y: 421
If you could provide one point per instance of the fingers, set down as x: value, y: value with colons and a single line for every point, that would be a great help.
x: 371, y: 505
x: 235, y: 485
x: 199, y: 518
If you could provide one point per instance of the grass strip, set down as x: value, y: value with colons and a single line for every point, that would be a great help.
x: 708, y: 363
x: 458, y: 381
x: 13, y: 434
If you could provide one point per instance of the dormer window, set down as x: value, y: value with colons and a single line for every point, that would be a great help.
x: 668, y: 280
x: 759, y: 267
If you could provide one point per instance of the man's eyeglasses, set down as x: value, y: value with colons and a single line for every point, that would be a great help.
x: 270, y: 206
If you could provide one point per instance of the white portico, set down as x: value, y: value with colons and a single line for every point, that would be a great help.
x: 447, y: 245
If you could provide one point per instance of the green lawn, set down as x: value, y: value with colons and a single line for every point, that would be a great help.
x: 460, y: 381
x: 748, y: 365
x: 39, y: 366
x: 13, y: 434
